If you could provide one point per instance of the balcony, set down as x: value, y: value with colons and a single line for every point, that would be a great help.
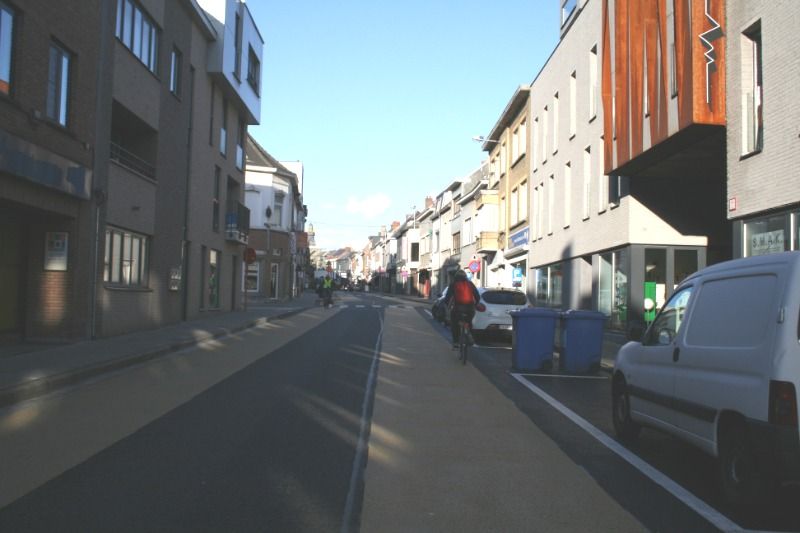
x: 237, y: 224
x: 132, y: 162
x: 487, y: 242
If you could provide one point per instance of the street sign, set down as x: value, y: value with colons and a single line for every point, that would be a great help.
x: 249, y: 256
x: 474, y: 266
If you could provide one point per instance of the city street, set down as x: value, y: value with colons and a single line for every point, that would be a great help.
x: 357, y: 417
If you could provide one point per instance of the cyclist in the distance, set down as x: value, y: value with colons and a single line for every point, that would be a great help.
x: 465, y: 297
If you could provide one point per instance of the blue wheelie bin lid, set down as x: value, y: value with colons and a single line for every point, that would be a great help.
x: 582, y: 314
x: 535, y: 311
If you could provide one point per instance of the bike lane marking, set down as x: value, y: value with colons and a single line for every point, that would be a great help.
x: 713, y: 516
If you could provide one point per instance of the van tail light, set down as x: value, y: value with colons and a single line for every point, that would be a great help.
x: 782, y: 403
x: 480, y: 307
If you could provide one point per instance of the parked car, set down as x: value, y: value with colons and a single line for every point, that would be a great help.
x: 719, y: 367
x: 492, y: 312
x: 438, y: 309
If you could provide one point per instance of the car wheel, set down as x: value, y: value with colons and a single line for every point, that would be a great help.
x: 626, y: 429
x: 741, y: 480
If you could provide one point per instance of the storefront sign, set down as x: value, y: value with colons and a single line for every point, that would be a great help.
x: 29, y: 161
x: 519, y: 238
x: 769, y: 242
x: 55, y: 250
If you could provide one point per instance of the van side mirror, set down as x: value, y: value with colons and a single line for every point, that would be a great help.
x: 635, y: 331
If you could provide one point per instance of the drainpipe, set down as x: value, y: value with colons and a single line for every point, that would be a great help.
x: 185, y: 241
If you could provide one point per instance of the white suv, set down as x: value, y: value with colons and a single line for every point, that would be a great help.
x: 720, y: 368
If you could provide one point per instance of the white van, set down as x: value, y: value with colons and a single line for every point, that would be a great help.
x: 720, y: 368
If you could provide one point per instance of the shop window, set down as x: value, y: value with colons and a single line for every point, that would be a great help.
x: 612, y: 296
x: 766, y: 235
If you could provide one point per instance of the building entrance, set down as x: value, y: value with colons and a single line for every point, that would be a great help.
x: 11, y: 282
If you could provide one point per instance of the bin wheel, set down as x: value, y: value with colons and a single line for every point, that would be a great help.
x: 626, y: 429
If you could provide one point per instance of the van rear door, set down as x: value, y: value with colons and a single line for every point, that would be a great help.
x: 725, y: 356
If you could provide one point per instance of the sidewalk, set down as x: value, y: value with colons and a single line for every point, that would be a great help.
x: 36, y: 369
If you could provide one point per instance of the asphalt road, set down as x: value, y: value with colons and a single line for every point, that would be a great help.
x: 352, y: 418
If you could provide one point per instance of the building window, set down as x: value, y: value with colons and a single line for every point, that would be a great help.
x: 502, y: 214
x: 175, y: 72
x: 523, y: 201
x: 752, y: 91
x: 503, y: 159
x: 253, y: 71
x: 277, y: 212
x: 137, y: 31
x: 126, y: 258
x: 6, y: 47
x: 223, y: 129
x: 548, y: 286
x: 593, y: 83
x: 214, y: 263
x: 237, y: 38
x: 58, y: 85
x: 456, y: 242
x: 514, y: 207
x: 587, y: 181
x: 545, y: 133
x: 215, y: 201
x: 567, y: 9
x: 252, y: 275
x: 535, y: 143
x: 414, y: 251
x: 555, y: 123
x: 241, y: 133
x: 551, y: 193
x: 541, y: 209
x: 617, y: 188
x: 602, y: 186
x: 573, y: 92
x: 567, y: 194
x: 273, y: 280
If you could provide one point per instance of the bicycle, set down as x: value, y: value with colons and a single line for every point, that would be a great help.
x: 464, y: 339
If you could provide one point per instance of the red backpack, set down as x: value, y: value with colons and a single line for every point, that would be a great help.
x: 462, y: 293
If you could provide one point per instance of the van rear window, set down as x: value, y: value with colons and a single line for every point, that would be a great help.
x: 733, y: 312
x: 504, y: 298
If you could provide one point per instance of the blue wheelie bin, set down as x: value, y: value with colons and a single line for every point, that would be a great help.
x: 581, y: 341
x: 533, y: 336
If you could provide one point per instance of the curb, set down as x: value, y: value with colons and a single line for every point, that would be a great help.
x: 36, y: 387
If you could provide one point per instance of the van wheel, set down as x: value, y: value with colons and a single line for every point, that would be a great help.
x: 741, y: 480
x: 626, y: 429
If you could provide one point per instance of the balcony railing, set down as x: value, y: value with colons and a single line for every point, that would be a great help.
x: 487, y: 241
x: 237, y: 224
x: 132, y: 161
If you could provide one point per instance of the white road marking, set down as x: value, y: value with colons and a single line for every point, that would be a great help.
x: 359, y: 461
x: 573, y: 376
x: 716, y: 518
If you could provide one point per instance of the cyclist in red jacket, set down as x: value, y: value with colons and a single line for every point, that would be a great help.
x: 465, y: 297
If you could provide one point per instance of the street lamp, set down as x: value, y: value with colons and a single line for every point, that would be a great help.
x: 482, y: 139
x: 267, y: 266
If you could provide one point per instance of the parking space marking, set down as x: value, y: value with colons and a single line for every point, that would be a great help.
x: 716, y: 518
x: 573, y: 376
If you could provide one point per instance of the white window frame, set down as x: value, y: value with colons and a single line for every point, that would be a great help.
x: 593, y: 83
x: 567, y: 194
x: 555, y: 123
x: 58, y: 84
x: 573, y: 92
x: 6, y: 47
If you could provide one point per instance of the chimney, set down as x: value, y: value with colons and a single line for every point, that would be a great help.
x: 395, y: 225
x: 428, y: 202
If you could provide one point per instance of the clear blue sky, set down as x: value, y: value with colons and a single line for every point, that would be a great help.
x: 380, y: 100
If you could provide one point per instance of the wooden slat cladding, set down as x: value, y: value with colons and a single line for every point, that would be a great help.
x: 637, y: 93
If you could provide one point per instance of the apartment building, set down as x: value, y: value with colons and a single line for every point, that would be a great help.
x: 277, y: 218
x: 122, y: 190
x: 763, y: 137
x: 468, y: 241
x: 49, y: 114
x: 509, y: 175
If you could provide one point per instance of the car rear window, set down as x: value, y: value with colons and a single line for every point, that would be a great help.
x: 504, y: 298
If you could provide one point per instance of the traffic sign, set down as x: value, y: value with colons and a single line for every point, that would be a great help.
x: 474, y: 266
